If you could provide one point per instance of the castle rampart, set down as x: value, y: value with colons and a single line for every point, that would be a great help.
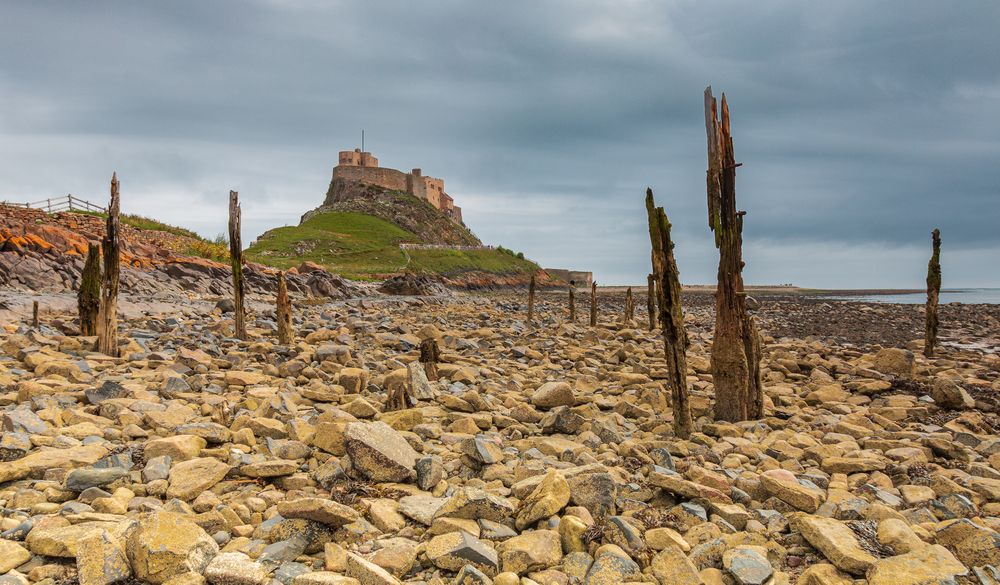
x: 362, y: 167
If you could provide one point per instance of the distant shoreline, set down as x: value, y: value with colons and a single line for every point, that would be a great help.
x: 792, y: 290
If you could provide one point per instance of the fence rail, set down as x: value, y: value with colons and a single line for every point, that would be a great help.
x: 59, y: 204
x: 443, y: 247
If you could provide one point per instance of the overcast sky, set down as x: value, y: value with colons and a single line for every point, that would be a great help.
x: 861, y: 125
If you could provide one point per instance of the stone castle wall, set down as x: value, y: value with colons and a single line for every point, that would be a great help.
x: 362, y: 167
x: 383, y: 177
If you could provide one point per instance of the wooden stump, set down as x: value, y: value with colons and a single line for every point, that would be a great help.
x: 88, y: 298
x: 572, y: 302
x: 429, y: 356
x: 531, y: 300
x: 593, y: 304
x: 735, y: 356
x: 107, y: 322
x: 34, y: 314
x: 651, y: 300
x: 629, y: 306
x: 671, y: 315
x: 236, y: 261
x: 933, y: 293
x: 283, y: 312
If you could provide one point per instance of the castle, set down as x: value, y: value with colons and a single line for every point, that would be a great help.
x: 362, y: 167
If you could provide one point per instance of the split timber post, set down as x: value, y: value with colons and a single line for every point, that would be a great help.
x: 88, y: 299
x: 735, y: 354
x: 236, y: 259
x: 107, y: 321
x: 34, y: 314
x: 572, y: 301
x: 675, y: 339
x: 651, y: 300
x: 429, y: 356
x: 933, y: 293
x: 593, y: 304
x: 531, y: 300
x: 283, y: 312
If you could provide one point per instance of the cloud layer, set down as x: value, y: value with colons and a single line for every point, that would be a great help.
x: 861, y: 125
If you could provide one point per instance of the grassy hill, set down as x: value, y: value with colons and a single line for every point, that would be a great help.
x: 361, y: 246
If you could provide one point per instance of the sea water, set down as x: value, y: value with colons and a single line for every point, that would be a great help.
x: 969, y: 296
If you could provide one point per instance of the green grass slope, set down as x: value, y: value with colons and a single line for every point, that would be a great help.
x: 360, y: 246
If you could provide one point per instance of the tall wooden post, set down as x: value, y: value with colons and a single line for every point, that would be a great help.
x: 283, y: 312
x: 107, y: 322
x: 629, y: 305
x: 572, y: 301
x: 236, y: 258
x: 675, y: 340
x: 531, y: 300
x: 593, y: 304
x: 88, y: 298
x: 651, y: 301
x: 933, y: 292
x: 34, y: 314
x: 735, y: 354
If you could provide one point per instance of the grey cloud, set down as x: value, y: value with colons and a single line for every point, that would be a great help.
x: 861, y: 125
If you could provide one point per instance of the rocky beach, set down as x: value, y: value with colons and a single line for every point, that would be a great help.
x: 542, y: 454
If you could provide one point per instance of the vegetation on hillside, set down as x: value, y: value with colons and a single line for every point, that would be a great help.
x: 198, y: 246
x: 364, y: 247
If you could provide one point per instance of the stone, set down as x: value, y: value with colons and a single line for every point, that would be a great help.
x: 12, y: 555
x: 475, y: 503
x: 323, y: 578
x: 61, y: 540
x: 368, y: 573
x: 319, y: 510
x: 430, y: 471
x: 235, y: 568
x: 79, y: 480
x: 101, y: 559
x: 531, y: 551
x: 553, y: 394
x: 379, y: 452
x: 930, y: 565
x: 551, y: 496
x: 190, y: 478
x: 948, y: 394
x: 597, y: 492
x: 894, y: 362
x: 454, y: 550
x: 835, y: 541
x: 748, y: 565
x: 791, y: 492
x: 398, y: 559
x: 612, y: 566
x: 671, y: 565
x: 164, y: 545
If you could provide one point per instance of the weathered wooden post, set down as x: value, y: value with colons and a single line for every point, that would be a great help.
x: 735, y: 354
x: 593, y: 304
x: 236, y: 259
x: 651, y: 301
x: 34, y: 314
x: 283, y: 312
x: 572, y: 301
x: 531, y: 300
x: 675, y: 340
x: 629, y: 305
x: 933, y: 292
x: 429, y: 356
x: 88, y: 298
x: 107, y: 321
